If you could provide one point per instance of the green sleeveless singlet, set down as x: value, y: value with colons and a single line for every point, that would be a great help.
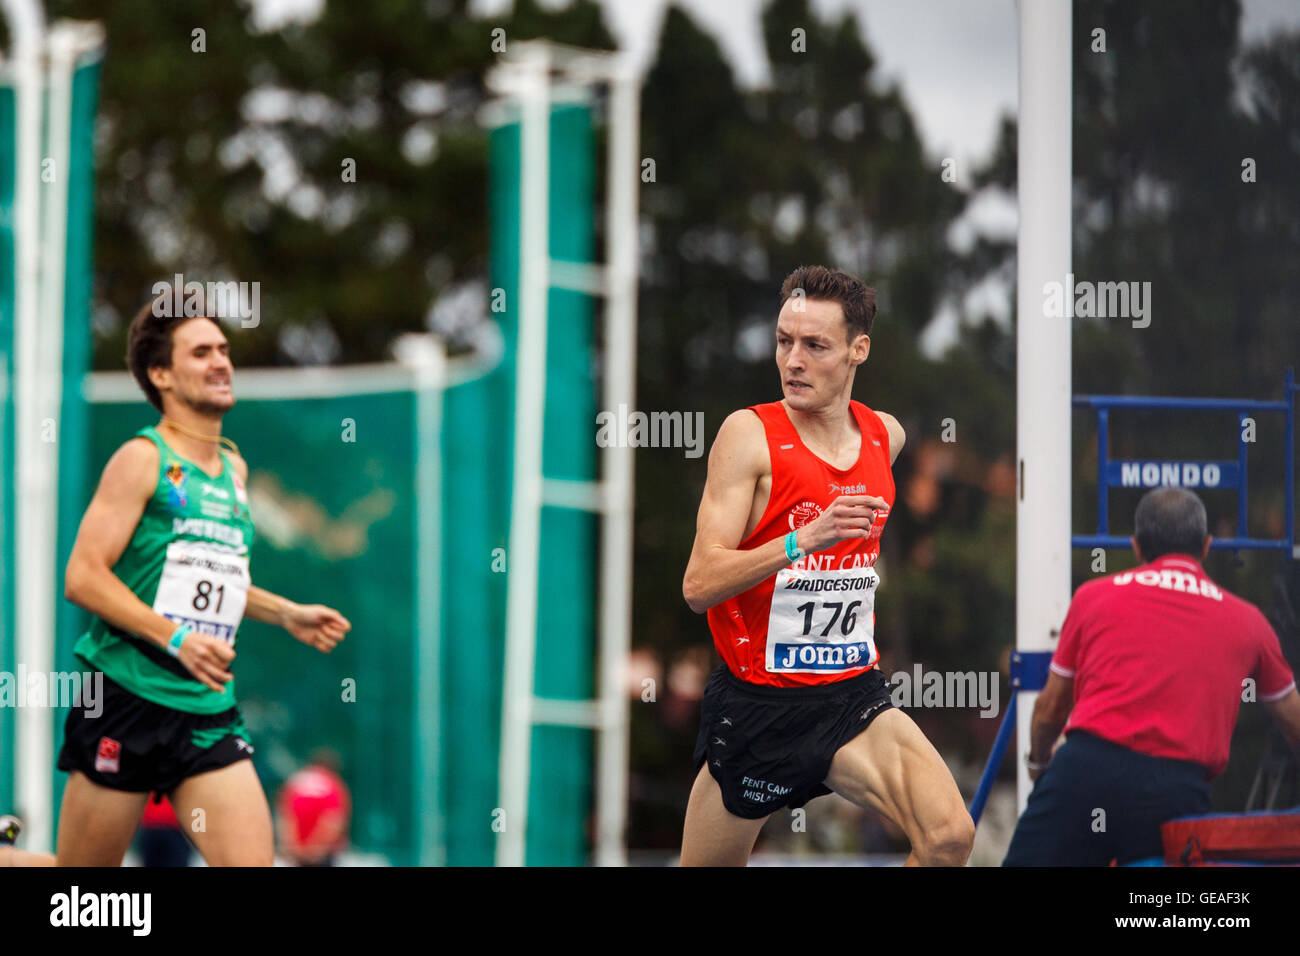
x: 188, y: 560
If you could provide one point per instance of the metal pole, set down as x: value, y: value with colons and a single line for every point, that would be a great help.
x: 995, y: 760
x: 526, y: 496
x: 33, y: 537
x: 425, y: 356
x: 1103, y: 489
x: 618, y: 472
x: 1042, y: 342
x: 1241, y: 476
x: 1288, y: 394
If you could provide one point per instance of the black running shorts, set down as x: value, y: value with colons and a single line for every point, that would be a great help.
x: 771, y: 747
x: 136, y: 745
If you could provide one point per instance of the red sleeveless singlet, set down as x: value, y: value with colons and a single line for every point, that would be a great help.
x: 812, y: 623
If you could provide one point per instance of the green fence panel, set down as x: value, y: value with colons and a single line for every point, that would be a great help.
x: 560, y: 776
x: 74, y: 414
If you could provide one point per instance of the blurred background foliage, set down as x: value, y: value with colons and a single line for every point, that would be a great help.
x: 229, y: 164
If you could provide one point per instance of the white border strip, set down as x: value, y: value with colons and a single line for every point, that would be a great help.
x: 329, y: 381
x: 526, y: 495
x: 33, y: 538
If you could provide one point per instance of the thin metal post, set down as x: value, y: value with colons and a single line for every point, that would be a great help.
x: 526, y: 495
x: 1241, y: 475
x: 1103, y: 487
x: 33, y: 534
x: 994, y: 763
x: 1289, y: 393
x: 612, y: 765
x: 425, y: 356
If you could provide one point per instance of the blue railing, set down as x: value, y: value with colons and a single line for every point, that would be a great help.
x: 1148, y: 473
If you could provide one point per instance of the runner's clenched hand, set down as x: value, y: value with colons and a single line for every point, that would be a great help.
x: 207, y: 658
x: 848, y: 516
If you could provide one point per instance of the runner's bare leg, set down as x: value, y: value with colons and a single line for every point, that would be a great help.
x: 892, y: 768
x: 96, y: 823
x: 10, y: 856
x: 713, y: 836
x: 236, y: 821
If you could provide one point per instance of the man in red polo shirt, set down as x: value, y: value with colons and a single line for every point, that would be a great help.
x: 1152, y: 667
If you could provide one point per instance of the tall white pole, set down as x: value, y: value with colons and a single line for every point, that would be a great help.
x: 618, y: 471
x: 33, y: 540
x: 425, y: 356
x: 1042, y: 343
x: 526, y: 502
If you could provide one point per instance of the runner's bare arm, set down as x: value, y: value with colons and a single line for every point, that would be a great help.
x: 1051, y: 710
x: 106, y: 529
x: 717, y: 569
x: 897, y: 437
x: 314, y: 624
x: 264, y: 606
x: 1286, y: 711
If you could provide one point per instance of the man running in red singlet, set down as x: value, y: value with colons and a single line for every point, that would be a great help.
x: 788, y: 532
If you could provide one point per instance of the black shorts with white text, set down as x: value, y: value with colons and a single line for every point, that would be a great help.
x: 771, y: 747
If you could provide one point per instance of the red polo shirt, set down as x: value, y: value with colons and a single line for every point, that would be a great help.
x: 1159, y: 655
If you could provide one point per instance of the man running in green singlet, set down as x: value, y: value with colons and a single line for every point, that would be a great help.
x: 161, y: 561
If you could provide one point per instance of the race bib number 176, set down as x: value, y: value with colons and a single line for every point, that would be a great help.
x: 822, y: 621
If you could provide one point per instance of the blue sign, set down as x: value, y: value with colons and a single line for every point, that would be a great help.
x: 1181, y: 474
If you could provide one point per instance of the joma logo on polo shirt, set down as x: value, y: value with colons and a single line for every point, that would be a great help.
x: 1183, y: 582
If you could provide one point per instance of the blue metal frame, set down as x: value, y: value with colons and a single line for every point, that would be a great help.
x: 1028, y: 672
x: 1232, y: 473
x: 1029, y: 668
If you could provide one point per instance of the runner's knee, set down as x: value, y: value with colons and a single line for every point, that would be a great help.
x: 948, y: 843
x: 243, y: 853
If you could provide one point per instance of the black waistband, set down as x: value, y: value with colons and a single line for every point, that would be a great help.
x: 155, y: 654
x: 810, y: 692
x: 1188, y: 768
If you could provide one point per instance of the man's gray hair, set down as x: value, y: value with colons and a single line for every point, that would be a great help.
x: 1170, y: 521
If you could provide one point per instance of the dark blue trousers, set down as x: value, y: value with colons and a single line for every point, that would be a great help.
x: 1098, y: 801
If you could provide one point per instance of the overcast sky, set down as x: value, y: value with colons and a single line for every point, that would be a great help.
x: 955, y: 60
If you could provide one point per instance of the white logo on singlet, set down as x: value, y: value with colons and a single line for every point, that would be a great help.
x: 858, y: 489
x: 804, y: 512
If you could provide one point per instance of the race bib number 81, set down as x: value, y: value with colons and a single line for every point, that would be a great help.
x: 822, y: 621
x: 204, y: 587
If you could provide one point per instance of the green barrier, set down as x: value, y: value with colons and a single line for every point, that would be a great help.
x: 560, y: 798
x: 74, y: 421
x: 74, y: 186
